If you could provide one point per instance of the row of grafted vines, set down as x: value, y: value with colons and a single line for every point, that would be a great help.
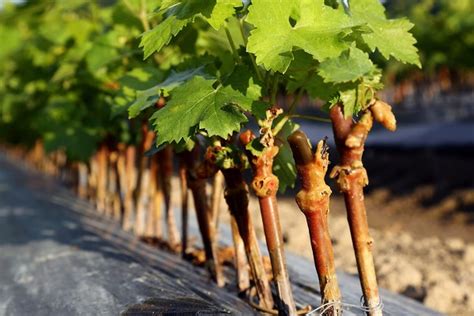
x: 204, y: 107
x: 133, y: 188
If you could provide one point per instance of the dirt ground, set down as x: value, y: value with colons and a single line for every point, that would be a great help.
x: 421, y: 213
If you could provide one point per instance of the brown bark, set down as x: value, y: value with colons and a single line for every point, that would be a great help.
x: 265, y: 184
x: 184, y: 205
x: 142, y: 200
x: 102, y: 166
x: 351, y: 179
x: 82, y: 180
x: 62, y: 164
x: 197, y: 186
x: 153, y: 225
x: 38, y: 155
x: 113, y: 197
x: 240, y: 260
x: 109, y: 185
x: 131, y: 176
x: 236, y: 195
x: 117, y: 200
x: 92, y: 179
x: 313, y: 200
x: 122, y: 178
x: 166, y: 172
x: 216, y: 196
x: 140, y: 194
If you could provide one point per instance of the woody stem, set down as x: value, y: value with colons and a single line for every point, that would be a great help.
x: 166, y: 173
x: 351, y: 182
x: 184, y: 206
x: 198, y: 189
x: 265, y: 185
x: 236, y: 196
x: 313, y: 200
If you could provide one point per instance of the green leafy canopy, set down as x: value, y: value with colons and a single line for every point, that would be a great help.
x: 317, y: 30
x: 391, y: 37
x: 324, y: 32
x: 147, y: 98
x: 198, y: 106
x: 307, y: 45
x: 218, y: 63
x: 178, y: 14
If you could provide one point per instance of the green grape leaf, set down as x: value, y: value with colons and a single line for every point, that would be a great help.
x: 349, y: 99
x: 197, y: 105
x: 141, y: 78
x: 154, y: 40
x: 390, y: 36
x: 216, y: 44
x: 222, y: 11
x: 284, y: 164
x: 318, y: 89
x: 302, y: 74
x: 177, y: 78
x: 355, y: 96
x: 349, y: 66
x: 242, y: 79
x: 185, y: 145
x: 255, y: 147
x: 318, y: 30
x: 166, y: 4
x: 147, y: 98
x: 259, y: 109
x: 177, y: 16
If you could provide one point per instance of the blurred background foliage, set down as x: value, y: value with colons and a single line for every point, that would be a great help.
x: 60, y: 63
x: 444, y: 30
x: 69, y: 69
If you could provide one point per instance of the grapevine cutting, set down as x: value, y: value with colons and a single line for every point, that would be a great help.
x: 144, y: 86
